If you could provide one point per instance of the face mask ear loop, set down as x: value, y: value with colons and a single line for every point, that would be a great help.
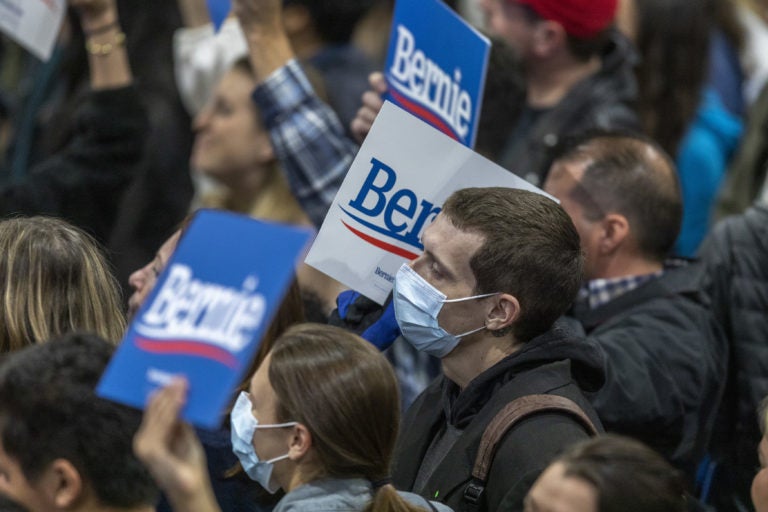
x: 473, y: 297
x: 471, y: 332
x: 277, y: 459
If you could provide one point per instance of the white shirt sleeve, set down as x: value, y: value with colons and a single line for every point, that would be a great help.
x: 202, y: 57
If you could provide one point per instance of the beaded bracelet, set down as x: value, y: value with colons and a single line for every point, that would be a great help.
x: 102, y: 50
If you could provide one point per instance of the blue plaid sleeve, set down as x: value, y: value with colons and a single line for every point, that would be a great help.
x: 307, y: 136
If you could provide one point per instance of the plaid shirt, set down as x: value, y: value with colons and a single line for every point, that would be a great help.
x: 602, y: 291
x: 307, y: 136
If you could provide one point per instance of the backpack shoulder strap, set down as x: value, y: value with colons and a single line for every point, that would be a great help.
x: 514, y: 412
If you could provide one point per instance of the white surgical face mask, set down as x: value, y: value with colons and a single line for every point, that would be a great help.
x: 244, y: 426
x: 417, y: 305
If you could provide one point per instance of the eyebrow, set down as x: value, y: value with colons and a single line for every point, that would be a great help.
x: 443, y: 266
x: 446, y: 268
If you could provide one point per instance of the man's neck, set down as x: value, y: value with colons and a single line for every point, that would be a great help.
x: 549, y: 82
x: 625, y: 267
x: 473, y: 357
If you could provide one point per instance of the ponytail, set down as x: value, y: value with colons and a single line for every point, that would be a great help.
x: 387, y: 499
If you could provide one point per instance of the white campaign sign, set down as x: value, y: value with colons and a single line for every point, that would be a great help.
x: 400, y: 178
x: 34, y: 24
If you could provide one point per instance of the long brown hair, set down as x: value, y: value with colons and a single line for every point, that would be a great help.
x: 345, y: 392
x: 290, y: 313
x: 54, y: 279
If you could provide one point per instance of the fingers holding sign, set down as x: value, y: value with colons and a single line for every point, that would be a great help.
x: 372, y: 103
x: 172, y: 453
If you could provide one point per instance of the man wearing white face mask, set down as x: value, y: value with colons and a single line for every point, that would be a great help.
x: 499, y: 267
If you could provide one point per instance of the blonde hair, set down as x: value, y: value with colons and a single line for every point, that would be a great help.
x: 54, y: 279
x: 345, y: 392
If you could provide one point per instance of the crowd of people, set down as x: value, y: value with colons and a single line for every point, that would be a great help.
x: 603, y: 352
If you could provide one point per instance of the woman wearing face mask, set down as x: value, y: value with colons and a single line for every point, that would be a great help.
x: 319, y: 421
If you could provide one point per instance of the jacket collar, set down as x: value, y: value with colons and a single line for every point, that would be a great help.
x: 683, y: 279
x: 558, y: 344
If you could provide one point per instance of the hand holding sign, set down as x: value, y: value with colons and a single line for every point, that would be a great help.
x: 372, y: 103
x: 171, y: 451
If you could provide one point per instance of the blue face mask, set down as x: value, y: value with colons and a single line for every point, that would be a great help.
x: 417, y: 304
x: 244, y: 425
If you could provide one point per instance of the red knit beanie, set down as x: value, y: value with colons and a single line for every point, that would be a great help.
x: 580, y: 18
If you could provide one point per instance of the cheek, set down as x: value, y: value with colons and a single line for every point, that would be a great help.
x: 760, y: 491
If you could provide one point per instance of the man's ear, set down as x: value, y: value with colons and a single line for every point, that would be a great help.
x: 300, y: 443
x: 548, y: 38
x: 614, y: 233
x: 505, y: 312
x: 61, y: 483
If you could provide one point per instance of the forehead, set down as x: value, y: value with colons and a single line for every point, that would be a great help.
x: 236, y: 85
x: 451, y: 245
x: 563, y: 176
x: 263, y: 397
x: 555, y: 492
x: 169, y: 246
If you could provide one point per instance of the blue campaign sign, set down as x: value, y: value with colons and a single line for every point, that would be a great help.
x: 218, y: 10
x: 207, y: 314
x: 436, y: 67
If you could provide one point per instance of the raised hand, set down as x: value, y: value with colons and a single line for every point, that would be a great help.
x: 95, y: 13
x: 259, y: 15
x: 172, y: 453
x: 371, y: 104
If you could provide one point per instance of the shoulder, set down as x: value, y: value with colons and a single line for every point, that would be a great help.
x: 415, y: 499
x: 528, y: 448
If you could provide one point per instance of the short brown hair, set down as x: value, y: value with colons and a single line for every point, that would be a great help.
x: 531, y: 250
x: 628, y: 476
x: 632, y: 175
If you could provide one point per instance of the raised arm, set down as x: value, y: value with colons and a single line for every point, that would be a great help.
x: 83, y: 183
x: 105, y: 44
x: 307, y: 136
x: 172, y: 452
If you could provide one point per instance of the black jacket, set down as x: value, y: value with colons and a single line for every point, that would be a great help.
x: 666, y: 363
x: 604, y: 100
x: 554, y: 363
x: 84, y: 182
x: 736, y: 256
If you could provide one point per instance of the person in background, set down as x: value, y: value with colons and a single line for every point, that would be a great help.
x: 232, y: 489
x: 735, y: 254
x: 84, y: 181
x: 666, y: 355
x: 608, y: 474
x: 320, y: 34
x: 677, y: 107
x: 578, y: 75
x: 54, y: 279
x: 234, y: 150
x: 62, y: 448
